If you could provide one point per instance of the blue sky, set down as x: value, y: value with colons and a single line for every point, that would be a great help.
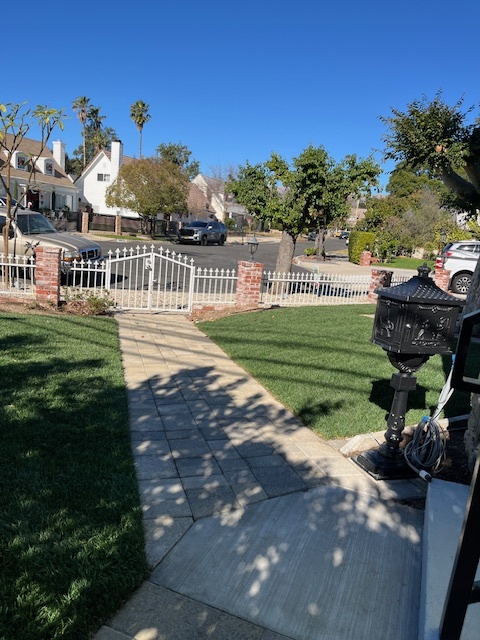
x: 235, y: 81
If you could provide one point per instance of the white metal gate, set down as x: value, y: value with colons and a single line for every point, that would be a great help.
x: 150, y: 278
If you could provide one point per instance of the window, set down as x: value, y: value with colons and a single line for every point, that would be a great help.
x: 22, y: 161
x: 103, y: 177
x: 49, y: 167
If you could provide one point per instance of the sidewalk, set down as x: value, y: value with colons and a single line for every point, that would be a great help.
x: 256, y: 528
x: 338, y: 263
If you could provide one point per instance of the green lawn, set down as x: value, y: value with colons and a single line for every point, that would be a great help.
x: 71, y: 538
x: 408, y: 263
x: 319, y: 362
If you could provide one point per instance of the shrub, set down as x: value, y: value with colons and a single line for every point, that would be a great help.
x: 230, y: 223
x: 310, y: 251
x: 87, y: 303
x: 358, y: 242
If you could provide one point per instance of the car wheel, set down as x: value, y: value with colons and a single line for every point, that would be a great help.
x: 204, y: 240
x: 221, y: 240
x: 461, y: 283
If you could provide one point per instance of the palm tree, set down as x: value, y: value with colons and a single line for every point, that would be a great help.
x: 139, y: 114
x: 81, y: 106
x: 95, y: 129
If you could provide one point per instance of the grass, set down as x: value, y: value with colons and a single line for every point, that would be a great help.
x: 409, y: 263
x: 320, y: 363
x: 71, y: 538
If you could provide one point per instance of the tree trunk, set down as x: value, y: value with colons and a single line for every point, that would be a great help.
x: 286, y: 252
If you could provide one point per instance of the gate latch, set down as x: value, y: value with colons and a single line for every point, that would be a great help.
x: 148, y: 264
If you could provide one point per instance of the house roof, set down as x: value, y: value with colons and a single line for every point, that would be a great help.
x: 197, y: 201
x: 108, y: 155
x: 33, y: 148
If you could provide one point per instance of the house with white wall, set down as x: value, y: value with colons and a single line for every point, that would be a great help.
x: 48, y: 186
x: 206, y: 195
x: 97, y: 176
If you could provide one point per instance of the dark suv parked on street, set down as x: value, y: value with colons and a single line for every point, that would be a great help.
x: 203, y: 232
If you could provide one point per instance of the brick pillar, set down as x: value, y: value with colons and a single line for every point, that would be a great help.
x: 118, y: 225
x: 442, y: 278
x: 365, y: 258
x: 380, y: 278
x: 85, y: 222
x: 47, y: 275
x: 249, y: 283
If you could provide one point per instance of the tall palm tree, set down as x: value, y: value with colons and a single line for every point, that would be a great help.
x: 81, y: 106
x: 139, y: 114
x: 96, y: 136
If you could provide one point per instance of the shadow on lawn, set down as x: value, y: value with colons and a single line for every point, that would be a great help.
x: 68, y: 494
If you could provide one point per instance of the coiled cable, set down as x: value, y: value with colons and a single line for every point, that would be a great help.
x: 426, y: 451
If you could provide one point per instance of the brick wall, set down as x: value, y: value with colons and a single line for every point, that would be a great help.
x: 47, y: 275
x: 249, y: 283
x: 442, y: 278
x: 380, y: 278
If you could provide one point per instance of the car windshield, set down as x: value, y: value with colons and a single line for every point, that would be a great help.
x: 33, y: 223
x: 197, y: 224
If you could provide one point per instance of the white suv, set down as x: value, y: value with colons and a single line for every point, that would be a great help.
x: 460, y: 258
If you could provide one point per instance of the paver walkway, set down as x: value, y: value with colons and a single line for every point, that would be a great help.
x: 209, y: 442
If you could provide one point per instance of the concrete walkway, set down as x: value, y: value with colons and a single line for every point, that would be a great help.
x: 255, y: 527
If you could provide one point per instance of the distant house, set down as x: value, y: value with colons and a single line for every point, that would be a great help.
x: 97, y: 176
x: 50, y: 187
x: 103, y: 170
x: 213, y: 191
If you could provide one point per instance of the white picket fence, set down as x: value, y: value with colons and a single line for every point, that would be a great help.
x: 312, y: 289
x: 17, y: 276
x: 155, y: 278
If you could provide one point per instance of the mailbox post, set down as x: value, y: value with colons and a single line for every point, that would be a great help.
x: 413, y: 321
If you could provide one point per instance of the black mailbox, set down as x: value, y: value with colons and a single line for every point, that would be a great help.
x: 413, y: 321
x: 416, y: 317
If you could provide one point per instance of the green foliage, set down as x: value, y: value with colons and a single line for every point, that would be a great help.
x: 310, y: 251
x: 95, y: 135
x: 85, y: 302
x: 140, y: 116
x: 294, y: 196
x: 179, y: 154
x: 433, y: 136
x: 474, y: 229
x: 149, y: 186
x: 359, y: 241
x: 230, y: 223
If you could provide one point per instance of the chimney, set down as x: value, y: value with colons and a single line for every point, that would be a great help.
x: 116, y: 158
x: 59, y: 153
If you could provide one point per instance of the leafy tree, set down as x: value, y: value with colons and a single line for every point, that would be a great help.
x: 292, y: 196
x: 179, y: 154
x: 434, y: 136
x: 149, y: 186
x: 380, y: 209
x: 15, y: 123
x: 81, y: 106
x: 140, y: 116
x: 437, y: 138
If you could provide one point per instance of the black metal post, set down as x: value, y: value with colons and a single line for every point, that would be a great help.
x: 388, y: 462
